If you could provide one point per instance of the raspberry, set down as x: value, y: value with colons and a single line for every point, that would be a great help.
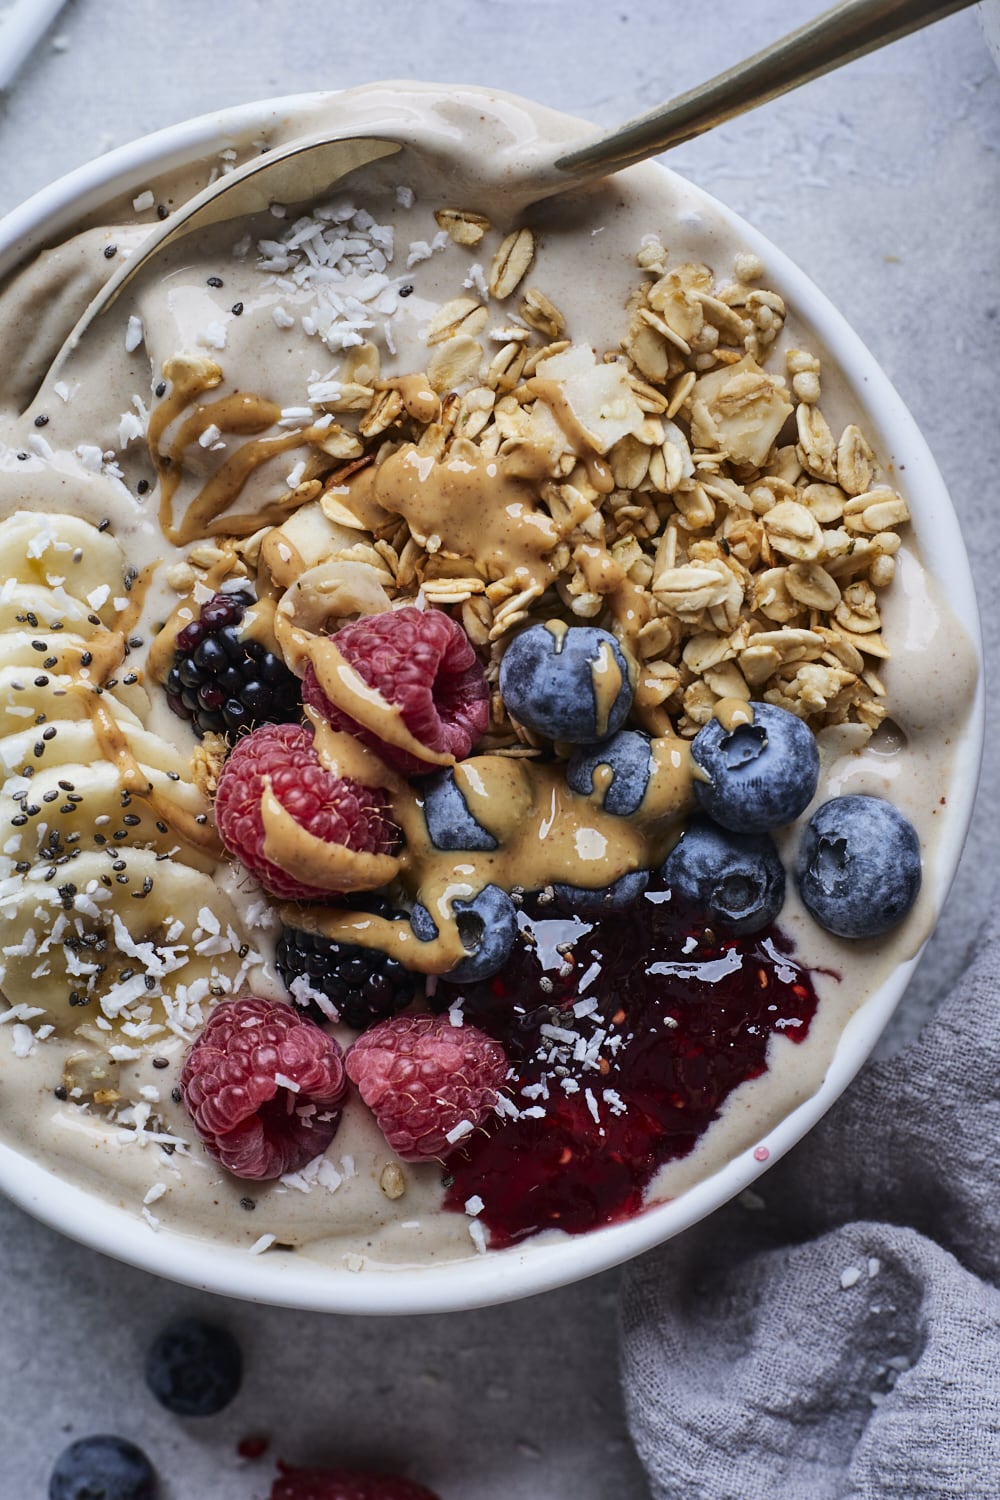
x: 422, y: 661
x: 227, y: 684
x: 344, y: 1484
x: 264, y: 1087
x: 429, y: 1083
x: 337, y: 810
x: 364, y: 985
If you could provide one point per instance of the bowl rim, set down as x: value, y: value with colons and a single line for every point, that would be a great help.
x: 537, y: 1265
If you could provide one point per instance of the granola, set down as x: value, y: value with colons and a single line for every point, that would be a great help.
x: 695, y: 499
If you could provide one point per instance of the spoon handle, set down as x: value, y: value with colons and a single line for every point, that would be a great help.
x: 839, y: 35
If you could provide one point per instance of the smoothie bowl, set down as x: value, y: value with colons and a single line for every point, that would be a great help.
x: 491, y: 714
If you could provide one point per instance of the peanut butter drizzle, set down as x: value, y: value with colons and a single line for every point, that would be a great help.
x: 116, y: 750
x: 603, y: 575
x: 544, y: 833
x: 605, y: 674
x: 282, y: 560
x: 732, y: 712
x: 315, y: 861
x: 239, y: 413
x: 274, y: 513
x: 129, y: 617
x: 343, y: 755
x: 481, y: 508
x: 106, y: 651
x: 579, y: 439
x: 420, y: 401
x: 160, y: 656
x: 258, y: 623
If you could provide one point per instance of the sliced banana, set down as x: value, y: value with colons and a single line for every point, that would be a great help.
x: 67, y: 655
x: 121, y: 947
x: 28, y: 698
x: 64, y: 552
x: 75, y: 742
x: 110, y: 922
x: 82, y: 805
x: 64, y: 791
x: 33, y: 606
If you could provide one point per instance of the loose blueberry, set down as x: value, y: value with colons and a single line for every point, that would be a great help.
x: 626, y: 755
x: 614, y: 897
x: 859, y: 866
x: 487, y: 926
x: 449, y: 821
x: 567, y: 683
x: 760, y: 775
x: 736, y: 879
x: 193, y: 1368
x: 102, y: 1468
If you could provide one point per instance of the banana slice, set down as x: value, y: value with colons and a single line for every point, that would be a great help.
x: 71, y: 763
x: 68, y: 655
x: 74, y: 741
x: 33, y: 606
x: 64, y: 552
x: 27, y: 697
x: 82, y: 805
x: 122, y: 947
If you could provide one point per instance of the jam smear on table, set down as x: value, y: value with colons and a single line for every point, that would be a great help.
x: 626, y: 1032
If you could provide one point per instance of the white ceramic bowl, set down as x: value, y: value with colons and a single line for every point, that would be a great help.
x: 531, y: 1267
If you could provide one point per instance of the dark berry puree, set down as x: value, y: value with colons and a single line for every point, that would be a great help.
x: 626, y: 1033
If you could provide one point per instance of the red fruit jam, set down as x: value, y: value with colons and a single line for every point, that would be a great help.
x: 626, y: 1034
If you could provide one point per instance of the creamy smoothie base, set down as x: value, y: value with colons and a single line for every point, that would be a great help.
x: 219, y: 426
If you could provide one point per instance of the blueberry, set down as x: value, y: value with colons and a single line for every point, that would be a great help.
x: 487, y: 926
x: 567, y: 683
x: 614, y: 897
x: 859, y: 866
x: 102, y: 1468
x: 735, y: 879
x: 627, y: 756
x: 193, y: 1368
x: 760, y: 775
x: 449, y: 821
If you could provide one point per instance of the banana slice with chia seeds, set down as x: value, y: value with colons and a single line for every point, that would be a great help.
x: 122, y: 947
x: 65, y: 552
x: 35, y: 606
x: 63, y: 786
x: 27, y: 699
x: 75, y: 742
x: 82, y: 806
x: 74, y: 657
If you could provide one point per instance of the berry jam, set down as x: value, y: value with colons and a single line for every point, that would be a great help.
x: 626, y: 1034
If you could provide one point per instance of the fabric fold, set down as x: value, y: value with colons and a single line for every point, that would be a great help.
x: 836, y: 1333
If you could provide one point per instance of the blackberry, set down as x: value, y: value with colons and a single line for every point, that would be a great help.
x: 364, y: 984
x: 227, y: 684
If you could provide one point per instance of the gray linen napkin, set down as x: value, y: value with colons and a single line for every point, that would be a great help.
x: 841, y: 1338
